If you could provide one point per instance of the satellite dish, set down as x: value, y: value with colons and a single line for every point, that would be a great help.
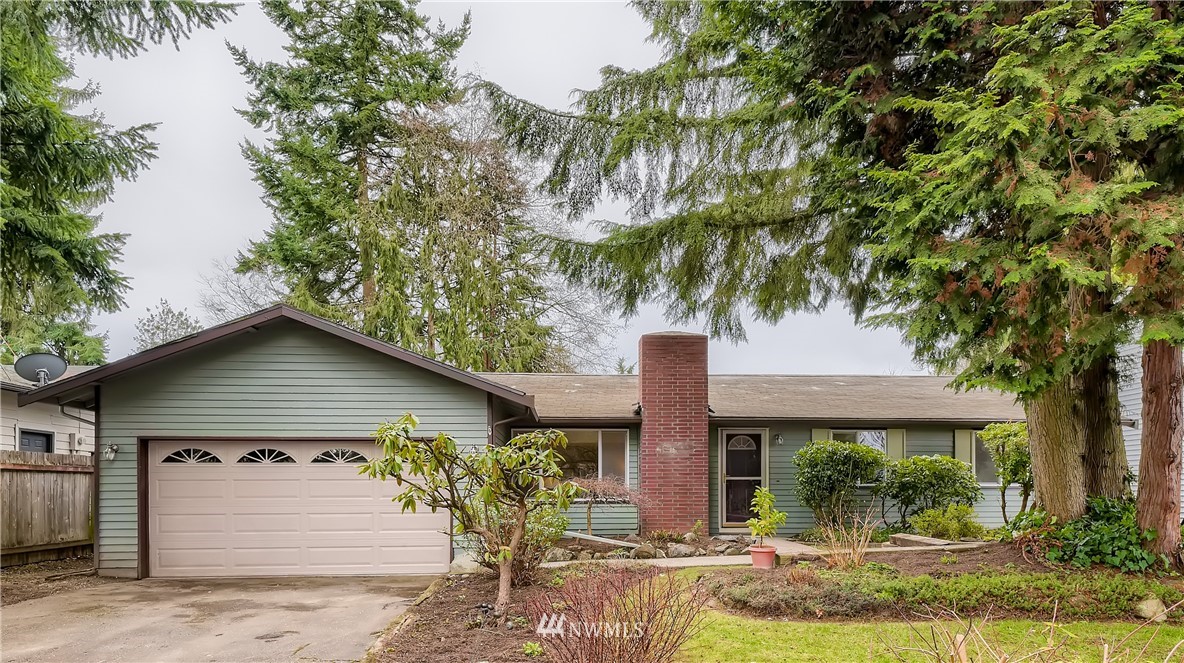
x: 40, y: 367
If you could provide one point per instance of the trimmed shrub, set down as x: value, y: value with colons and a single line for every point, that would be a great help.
x: 927, y: 482
x: 952, y: 523
x: 828, y: 473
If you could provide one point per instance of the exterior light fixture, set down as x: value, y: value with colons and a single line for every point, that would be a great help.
x: 109, y: 451
x: 779, y: 439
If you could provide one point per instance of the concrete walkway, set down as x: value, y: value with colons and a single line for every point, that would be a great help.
x: 786, y: 550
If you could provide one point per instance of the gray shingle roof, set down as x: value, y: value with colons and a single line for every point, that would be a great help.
x: 802, y: 397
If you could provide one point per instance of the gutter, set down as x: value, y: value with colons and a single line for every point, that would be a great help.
x: 62, y: 411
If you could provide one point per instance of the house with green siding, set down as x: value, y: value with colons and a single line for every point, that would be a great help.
x: 234, y: 451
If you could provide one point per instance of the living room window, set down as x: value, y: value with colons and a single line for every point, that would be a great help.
x: 876, y: 439
x: 984, y: 466
x: 594, y: 453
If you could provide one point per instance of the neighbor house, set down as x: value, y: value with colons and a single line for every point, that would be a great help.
x: 233, y: 451
x: 42, y: 427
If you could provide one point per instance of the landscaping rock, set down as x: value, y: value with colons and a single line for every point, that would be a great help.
x: 558, y: 555
x: 681, y: 550
x: 690, y: 537
x: 600, y: 556
x: 722, y: 549
x: 734, y: 550
x: 1151, y: 608
x: 585, y: 556
x: 729, y: 537
x: 660, y: 554
x: 633, y: 538
x: 644, y: 551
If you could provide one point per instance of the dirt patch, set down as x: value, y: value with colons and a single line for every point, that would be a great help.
x: 446, y: 627
x: 30, y: 581
x: 938, y: 562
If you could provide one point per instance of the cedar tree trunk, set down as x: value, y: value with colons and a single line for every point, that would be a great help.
x: 1105, y: 450
x: 1058, y: 450
x: 1163, y: 428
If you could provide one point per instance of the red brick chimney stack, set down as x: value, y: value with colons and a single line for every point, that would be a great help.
x: 672, y: 369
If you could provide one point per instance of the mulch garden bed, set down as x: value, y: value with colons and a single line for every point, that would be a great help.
x: 446, y: 627
x: 30, y: 581
x: 937, y: 562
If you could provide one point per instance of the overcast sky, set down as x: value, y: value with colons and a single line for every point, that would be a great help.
x: 197, y: 203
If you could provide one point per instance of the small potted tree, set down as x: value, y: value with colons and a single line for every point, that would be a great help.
x: 765, y: 523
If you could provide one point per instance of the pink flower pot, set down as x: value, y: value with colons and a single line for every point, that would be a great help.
x: 763, y: 557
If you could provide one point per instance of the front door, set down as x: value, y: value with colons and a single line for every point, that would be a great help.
x: 742, y: 454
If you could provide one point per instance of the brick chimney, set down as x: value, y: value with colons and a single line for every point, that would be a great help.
x: 672, y: 369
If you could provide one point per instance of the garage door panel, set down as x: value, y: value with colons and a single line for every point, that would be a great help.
x: 189, y: 489
x: 266, y: 557
x: 193, y: 558
x: 258, y: 519
x: 208, y: 523
x: 358, y: 488
x: 340, y: 523
x: 266, y: 488
x: 393, y: 522
x: 269, y: 523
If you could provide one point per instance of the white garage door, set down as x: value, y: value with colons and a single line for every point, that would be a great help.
x: 281, y: 508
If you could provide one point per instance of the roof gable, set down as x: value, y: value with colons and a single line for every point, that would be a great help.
x: 254, y: 321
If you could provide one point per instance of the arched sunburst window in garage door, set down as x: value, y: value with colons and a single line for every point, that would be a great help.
x: 339, y: 456
x: 266, y: 456
x: 191, y: 456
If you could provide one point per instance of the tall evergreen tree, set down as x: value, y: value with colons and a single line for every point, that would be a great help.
x: 56, y: 165
x: 747, y: 154
x: 1059, y: 173
x: 396, y: 211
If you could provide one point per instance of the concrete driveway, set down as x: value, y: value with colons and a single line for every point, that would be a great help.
x: 262, y: 619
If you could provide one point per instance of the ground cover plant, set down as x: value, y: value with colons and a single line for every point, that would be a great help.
x: 1107, y: 534
x: 879, y: 591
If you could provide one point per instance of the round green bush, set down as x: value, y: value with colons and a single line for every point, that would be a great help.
x: 828, y: 473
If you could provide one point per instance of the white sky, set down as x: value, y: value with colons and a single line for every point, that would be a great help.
x: 197, y: 202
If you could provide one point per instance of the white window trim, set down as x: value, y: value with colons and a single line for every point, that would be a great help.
x: 514, y: 432
x: 53, y: 438
x: 721, y: 449
x: 974, y: 460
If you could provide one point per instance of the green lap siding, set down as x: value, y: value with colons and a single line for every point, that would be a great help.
x: 920, y: 439
x: 284, y: 380
x: 607, y: 519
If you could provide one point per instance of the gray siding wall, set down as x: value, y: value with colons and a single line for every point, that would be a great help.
x: 285, y: 380
x: 920, y: 439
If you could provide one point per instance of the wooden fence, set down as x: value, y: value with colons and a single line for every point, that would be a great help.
x: 46, y: 506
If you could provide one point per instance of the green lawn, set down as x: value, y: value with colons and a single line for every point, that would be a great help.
x: 733, y: 638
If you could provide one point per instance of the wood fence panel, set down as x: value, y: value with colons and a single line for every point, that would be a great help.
x: 45, y: 502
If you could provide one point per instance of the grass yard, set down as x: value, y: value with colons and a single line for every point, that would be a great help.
x: 734, y: 638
